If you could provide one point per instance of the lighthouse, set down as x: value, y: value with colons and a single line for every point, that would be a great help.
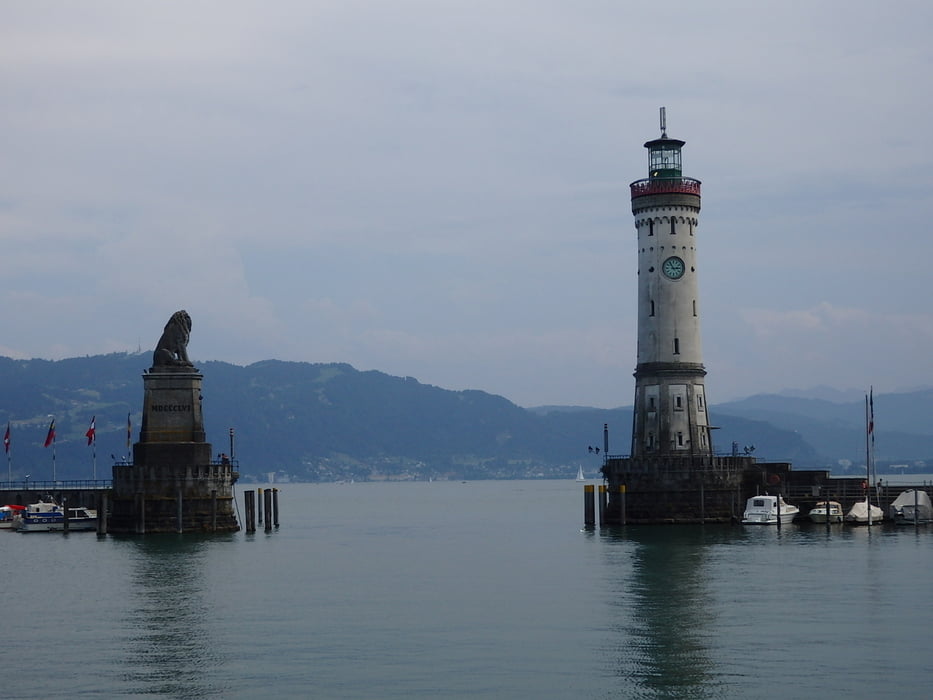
x: 672, y: 473
x: 670, y: 395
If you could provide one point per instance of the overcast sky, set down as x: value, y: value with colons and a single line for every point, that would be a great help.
x: 439, y: 188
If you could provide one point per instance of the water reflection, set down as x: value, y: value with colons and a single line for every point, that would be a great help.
x: 663, y: 610
x: 169, y: 646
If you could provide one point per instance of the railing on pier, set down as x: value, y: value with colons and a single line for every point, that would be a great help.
x: 57, y: 485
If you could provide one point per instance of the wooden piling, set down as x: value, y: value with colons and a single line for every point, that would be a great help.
x: 275, y: 507
x: 65, y: 514
x: 622, y: 503
x: 267, y: 503
x: 250, y: 510
x: 102, y: 513
x: 601, y: 496
x: 589, y: 505
x: 260, y: 505
x: 179, y: 522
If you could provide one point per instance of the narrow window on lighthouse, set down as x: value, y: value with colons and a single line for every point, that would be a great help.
x: 691, y: 227
x: 676, y: 346
x: 672, y: 226
x: 680, y: 439
x: 652, y: 308
x: 650, y: 227
x: 694, y: 307
x: 677, y: 402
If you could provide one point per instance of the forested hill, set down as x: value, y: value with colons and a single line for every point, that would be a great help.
x: 325, y: 422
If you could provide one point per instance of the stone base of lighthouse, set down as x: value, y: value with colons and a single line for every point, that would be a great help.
x: 173, y: 484
x: 665, y: 489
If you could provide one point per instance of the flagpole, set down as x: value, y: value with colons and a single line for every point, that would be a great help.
x: 9, y: 456
x: 9, y: 465
x: 91, y: 435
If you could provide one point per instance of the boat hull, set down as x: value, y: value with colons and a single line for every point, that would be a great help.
x: 49, y: 517
x: 765, y: 510
x: 770, y: 519
x: 57, y: 525
x: 832, y: 514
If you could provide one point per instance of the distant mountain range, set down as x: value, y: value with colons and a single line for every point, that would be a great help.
x: 330, y: 422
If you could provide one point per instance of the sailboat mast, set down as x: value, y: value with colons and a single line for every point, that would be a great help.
x: 867, y: 463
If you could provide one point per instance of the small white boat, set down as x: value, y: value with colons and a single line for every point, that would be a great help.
x: 827, y: 511
x: 860, y: 512
x: 911, y: 507
x: 763, y: 510
x: 580, y: 476
x: 7, y: 513
x: 48, y: 516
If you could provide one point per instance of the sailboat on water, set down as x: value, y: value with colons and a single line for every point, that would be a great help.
x: 863, y: 512
x: 580, y: 476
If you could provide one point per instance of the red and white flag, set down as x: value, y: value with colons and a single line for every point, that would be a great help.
x: 50, y: 438
x: 91, y: 433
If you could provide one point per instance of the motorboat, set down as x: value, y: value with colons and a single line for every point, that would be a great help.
x: 766, y: 510
x: 7, y: 513
x: 860, y: 512
x: 49, y: 516
x: 912, y: 507
x: 827, y: 511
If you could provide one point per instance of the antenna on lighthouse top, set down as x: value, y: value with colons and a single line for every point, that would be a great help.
x: 663, y: 122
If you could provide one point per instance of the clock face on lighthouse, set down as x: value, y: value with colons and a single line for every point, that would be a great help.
x: 673, y: 268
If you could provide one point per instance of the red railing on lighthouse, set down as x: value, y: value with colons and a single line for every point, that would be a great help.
x: 665, y: 185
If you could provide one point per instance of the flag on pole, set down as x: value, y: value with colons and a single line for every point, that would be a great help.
x: 6, y: 439
x: 91, y: 433
x: 50, y: 438
x: 871, y: 413
x: 129, y: 431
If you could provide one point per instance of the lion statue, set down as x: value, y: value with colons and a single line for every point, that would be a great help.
x: 173, y: 345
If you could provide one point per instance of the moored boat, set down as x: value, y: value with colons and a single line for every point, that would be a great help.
x: 911, y: 507
x: 862, y: 511
x: 827, y: 511
x: 7, y: 513
x: 48, y: 516
x: 767, y: 510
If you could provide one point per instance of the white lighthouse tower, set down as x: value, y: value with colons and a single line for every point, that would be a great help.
x: 670, y: 397
x: 672, y: 474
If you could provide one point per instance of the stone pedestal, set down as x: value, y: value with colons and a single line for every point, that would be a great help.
x: 173, y: 484
x: 699, y: 489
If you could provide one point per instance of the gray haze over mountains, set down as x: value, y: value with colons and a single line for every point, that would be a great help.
x: 329, y: 422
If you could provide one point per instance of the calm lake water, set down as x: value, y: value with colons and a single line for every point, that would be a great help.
x: 468, y: 590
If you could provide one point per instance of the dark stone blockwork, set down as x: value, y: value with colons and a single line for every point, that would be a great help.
x: 173, y: 484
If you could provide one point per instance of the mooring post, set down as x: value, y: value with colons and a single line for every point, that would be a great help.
x: 214, y: 510
x: 589, y: 505
x: 267, y: 498
x: 260, y: 505
x: 250, y: 502
x: 65, y: 514
x: 275, y: 507
x: 779, y: 510
x: 622, y: 501
x: 601, y: 495
x: 178, y: 504
x: 102, y: 513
